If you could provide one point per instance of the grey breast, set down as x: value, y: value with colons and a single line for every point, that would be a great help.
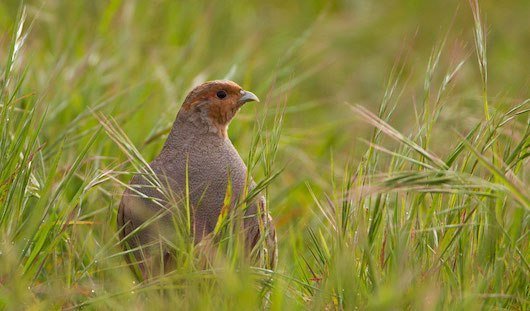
x: 210, y: 163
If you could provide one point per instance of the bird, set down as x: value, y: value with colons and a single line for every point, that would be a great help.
x: 197, y: 176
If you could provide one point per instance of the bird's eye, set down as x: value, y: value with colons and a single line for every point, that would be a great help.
x: 221, y: 94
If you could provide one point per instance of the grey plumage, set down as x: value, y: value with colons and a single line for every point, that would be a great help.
x: 198, y: 147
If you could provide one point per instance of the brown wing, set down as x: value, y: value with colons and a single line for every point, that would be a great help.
x: 124, y: 227
x: 141, y: 222
x: 129, y: 243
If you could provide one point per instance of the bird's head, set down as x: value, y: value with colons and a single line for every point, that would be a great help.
x: 213, y: 104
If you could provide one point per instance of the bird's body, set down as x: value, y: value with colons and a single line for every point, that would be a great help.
x: 197, y: 167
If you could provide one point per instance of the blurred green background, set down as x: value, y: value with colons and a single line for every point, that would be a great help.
x: 317, y: 54
x: 135, y: 61
x: 142, y: 57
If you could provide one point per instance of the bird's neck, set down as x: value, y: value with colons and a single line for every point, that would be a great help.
x: 192, y: 131
x: 202, y: 122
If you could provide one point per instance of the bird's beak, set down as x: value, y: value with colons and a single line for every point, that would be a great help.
x: 247, y: 96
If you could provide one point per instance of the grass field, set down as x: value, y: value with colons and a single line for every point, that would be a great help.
x: 392, y: 141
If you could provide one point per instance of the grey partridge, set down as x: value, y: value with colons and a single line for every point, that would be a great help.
x: 197, y: 169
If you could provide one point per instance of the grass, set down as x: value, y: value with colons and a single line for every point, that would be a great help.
x: 393, y: 151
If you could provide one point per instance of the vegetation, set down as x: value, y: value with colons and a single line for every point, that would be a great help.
x: 392, y: 143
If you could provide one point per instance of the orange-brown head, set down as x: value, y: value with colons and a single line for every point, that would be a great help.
x: 215, y: 103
